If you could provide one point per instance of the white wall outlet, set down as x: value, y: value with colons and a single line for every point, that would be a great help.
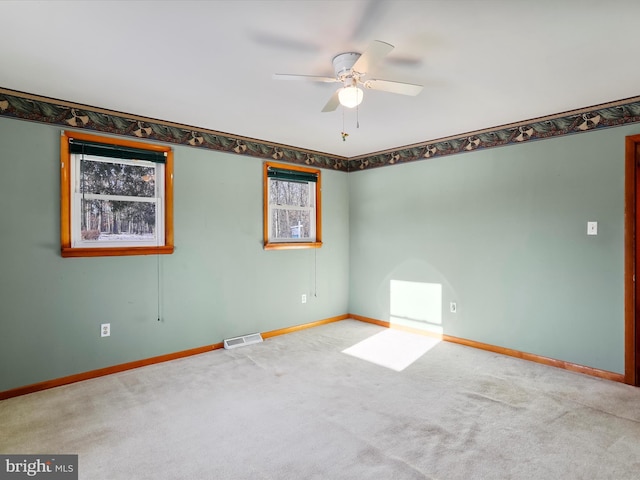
x: 453, y: 307
x: 304, y: 298
x: 105, y: 330
x: 592, y: 228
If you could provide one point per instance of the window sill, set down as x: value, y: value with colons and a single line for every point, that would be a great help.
x: 291, y: 245
x: 69, y: 252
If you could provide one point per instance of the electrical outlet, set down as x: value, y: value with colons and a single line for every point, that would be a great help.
x: 105, y: 330
x: 453, y: 307
x: 304, y: 298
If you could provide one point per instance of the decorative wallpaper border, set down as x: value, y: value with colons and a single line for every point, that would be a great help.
x: 576, y: 121
x: 46, y: 110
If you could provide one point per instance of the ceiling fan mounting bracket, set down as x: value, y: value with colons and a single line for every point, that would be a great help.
x: 343, y: 64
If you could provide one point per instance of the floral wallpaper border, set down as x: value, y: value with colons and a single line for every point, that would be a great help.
x: 577, y: 121
x: 45, y: 110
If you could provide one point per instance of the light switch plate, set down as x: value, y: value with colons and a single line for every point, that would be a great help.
x: 592, y: 228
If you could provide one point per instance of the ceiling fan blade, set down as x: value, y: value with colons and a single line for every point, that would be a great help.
x: 372, y: 55
x: 370, y: 17
x: 333, y: 103
x: 394, y: 87
x: 308, y: 78
x: 283, y: 42
x: 406, y: 62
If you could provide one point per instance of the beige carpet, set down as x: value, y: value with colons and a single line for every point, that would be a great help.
x: 297, y: 407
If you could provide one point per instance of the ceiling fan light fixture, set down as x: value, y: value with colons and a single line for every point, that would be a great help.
x: 350, y: 96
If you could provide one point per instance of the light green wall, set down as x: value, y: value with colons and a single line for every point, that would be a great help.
x: 503, y: 231
x: 219, y: 282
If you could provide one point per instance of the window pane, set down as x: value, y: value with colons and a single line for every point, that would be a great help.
x: 107, y: 178
x: 289, y: 193
x: 290, y: 224
x: 104, y: 220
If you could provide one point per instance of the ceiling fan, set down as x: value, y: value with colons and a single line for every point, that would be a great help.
x: 351, y: 69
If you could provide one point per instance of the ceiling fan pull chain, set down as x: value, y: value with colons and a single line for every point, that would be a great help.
x: 343, y: 133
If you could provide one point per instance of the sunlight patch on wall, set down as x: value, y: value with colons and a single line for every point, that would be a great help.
x: 394, y: 349
x: 416, y: 305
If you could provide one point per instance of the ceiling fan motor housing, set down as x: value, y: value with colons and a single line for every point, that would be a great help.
x: 343, y: 63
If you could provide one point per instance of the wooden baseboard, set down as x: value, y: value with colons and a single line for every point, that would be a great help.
x: 58, y: 382
x: 594, y: 372
x: 78, y: 377
x: 282, y: 331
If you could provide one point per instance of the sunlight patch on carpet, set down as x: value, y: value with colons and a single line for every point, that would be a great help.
x: 394, y: 349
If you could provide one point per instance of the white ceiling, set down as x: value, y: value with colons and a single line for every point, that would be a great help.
x: 209, y: 64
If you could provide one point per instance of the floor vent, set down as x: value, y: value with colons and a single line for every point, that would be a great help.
x: 242, y: 341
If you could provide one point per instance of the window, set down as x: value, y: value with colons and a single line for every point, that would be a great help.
x: 291, y: 207
x: 116, y: 197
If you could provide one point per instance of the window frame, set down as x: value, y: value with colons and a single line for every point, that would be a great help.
x: 67, y: 193
x: 287, y: 244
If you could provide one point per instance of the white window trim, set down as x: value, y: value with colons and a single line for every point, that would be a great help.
x: 158, y: 199
x: 311, y: 209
